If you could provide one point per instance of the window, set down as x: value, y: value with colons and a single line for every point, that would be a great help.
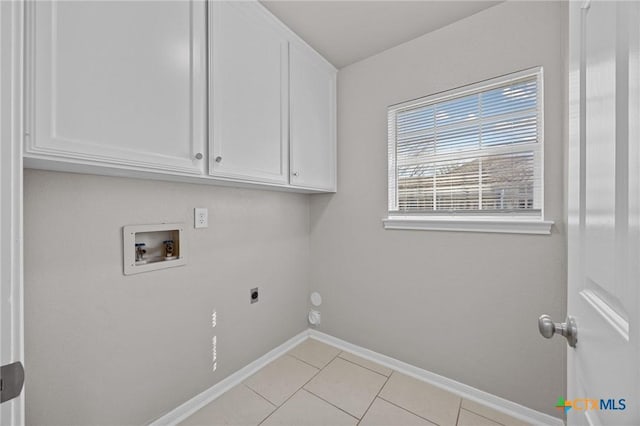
x: 472, y: 155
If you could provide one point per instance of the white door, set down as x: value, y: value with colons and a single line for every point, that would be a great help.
x: 604, y: 213
x: 313, y: 120
x: 11, y: 338
x: 248, y: 93
x: 118, y: 83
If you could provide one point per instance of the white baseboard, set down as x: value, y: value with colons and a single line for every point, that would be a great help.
x: 495, y: 402
x: 185, y: 410
x: 499, y: 404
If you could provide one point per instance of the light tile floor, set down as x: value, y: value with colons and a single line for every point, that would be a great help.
x: 318, y: 384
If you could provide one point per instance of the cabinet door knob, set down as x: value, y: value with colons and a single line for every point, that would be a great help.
x: 199, y: 156
x: 218, y: 159
x: 295, y: 173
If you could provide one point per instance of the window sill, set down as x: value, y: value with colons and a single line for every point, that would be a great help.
x: 492, y: 225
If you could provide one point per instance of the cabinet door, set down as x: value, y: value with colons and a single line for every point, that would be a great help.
x: 313, y: 120
x: 118, y: 83
x: 248, y: 95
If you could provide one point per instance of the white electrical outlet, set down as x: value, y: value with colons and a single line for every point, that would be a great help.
x: 201, y: 217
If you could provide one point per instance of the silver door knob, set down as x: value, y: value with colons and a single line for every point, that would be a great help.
x: 199, y: 156
x: 295, y: 173
x: 568, y: 329
x: 218, y: 159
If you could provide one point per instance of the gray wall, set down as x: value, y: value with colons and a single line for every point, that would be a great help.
x: 104, y: 348
x: 463, y: 305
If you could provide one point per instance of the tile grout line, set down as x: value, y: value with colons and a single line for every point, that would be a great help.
x: 480, y: 415
x: 408, y: 411
x: 330, y: 403
x: 402, y: 408
x: 308, y: 363
x: 355, y: 363
x: 374, y: 398
x: 297, y: 390
x: 271, y: 403
x: 368, y: 369
x: 262, y: 396
x: 459, y: 411
x: 321, y: 398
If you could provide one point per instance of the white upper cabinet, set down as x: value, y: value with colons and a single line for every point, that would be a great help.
x: 313, y: 120
x: 248, y: 93
x: 134, y: 88
x: 118, y: 83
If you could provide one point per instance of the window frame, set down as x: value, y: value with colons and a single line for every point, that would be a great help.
x: 473, y: 220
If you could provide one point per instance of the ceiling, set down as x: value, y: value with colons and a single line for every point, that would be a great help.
x: 345, y: 32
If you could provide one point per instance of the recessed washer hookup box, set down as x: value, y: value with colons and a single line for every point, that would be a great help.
x: 152, y: 247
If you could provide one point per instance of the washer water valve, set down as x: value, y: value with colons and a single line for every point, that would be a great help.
x: 140, y: 252
x: 169, y: 250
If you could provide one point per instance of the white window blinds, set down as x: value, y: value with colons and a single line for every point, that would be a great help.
x: 472, y: 151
